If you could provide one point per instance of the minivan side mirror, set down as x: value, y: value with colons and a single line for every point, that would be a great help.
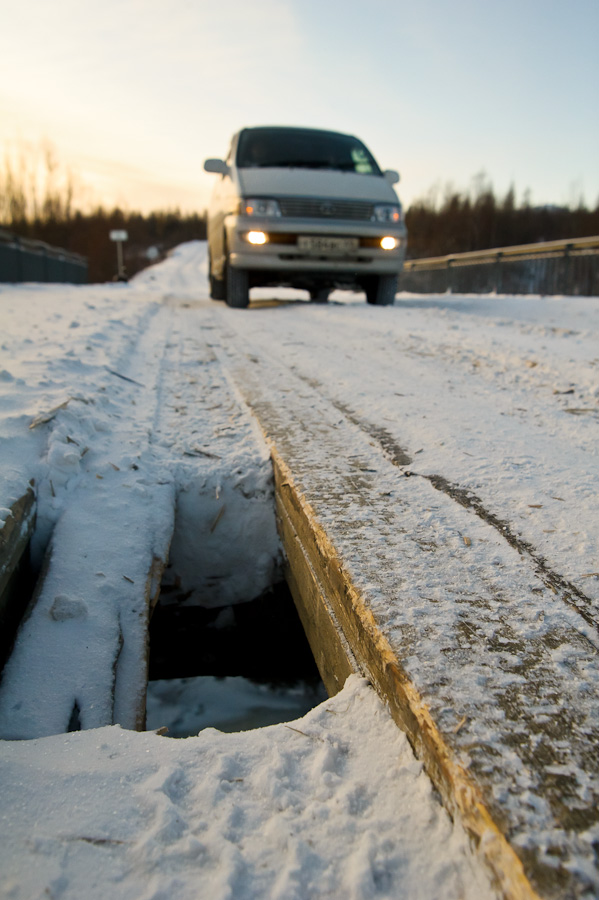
x: 391, y: 176
x: 218, y: 166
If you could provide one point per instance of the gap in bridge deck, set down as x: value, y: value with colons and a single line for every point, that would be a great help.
x: 233, y: 668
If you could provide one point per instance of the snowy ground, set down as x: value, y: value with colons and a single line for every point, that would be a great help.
x: 332, y: 805
x: 155, y: 448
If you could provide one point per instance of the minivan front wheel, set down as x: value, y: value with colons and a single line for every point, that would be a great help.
x: 381, y: 289
x: 217, y: 285
x: 238, y: 287
x: 319, y: 294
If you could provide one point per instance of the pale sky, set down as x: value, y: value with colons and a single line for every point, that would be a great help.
x: 134, y: 94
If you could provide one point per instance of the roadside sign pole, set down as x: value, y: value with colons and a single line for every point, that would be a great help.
x: 119, y: 257
x: 119, y: 237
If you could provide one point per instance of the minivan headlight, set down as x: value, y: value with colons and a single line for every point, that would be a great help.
x: 256, y: 237
x: 256, y: 206
x: 388, y: 212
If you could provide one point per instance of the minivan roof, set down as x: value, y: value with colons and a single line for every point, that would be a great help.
x: 294, y: 128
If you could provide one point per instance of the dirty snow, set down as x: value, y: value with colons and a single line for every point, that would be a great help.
x: 143, y: 440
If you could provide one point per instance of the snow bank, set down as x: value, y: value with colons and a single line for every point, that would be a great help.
x: 141, y: 454
x: 331, y: 805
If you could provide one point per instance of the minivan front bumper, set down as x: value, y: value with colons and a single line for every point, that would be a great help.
x: 283, y: 252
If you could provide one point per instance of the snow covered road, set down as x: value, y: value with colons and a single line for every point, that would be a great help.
x: 448, y: 448
x: 480, y: 569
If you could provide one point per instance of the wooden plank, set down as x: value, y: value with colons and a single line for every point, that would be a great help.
x: 317, y: 574
x: 15, y: 535
x: 332, y: 653
x: 151, y: 595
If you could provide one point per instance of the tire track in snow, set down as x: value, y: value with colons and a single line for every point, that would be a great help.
x: 400, y: 457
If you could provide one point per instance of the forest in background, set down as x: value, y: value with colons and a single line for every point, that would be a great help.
x: 41, y: 200
x: 150, y: 236
x: 45, y: 207
x: 452, y: 221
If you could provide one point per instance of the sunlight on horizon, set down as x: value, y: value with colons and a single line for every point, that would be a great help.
x: 135, y: 97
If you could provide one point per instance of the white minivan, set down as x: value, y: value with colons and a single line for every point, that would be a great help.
x: 303, y: 208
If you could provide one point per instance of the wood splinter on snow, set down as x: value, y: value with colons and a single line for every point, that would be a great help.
x: 218, y: 517
x: 196, y: 451
x: 42, y: 418
x: 124, y: 377
x: 313, y: 737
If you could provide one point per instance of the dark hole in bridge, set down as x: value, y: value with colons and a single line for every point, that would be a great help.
x: 232, y: 668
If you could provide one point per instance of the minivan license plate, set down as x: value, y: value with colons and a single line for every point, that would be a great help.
x: 337, y: 246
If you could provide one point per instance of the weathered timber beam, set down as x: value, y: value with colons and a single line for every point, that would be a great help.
x: 15, y: 535
x: 329, y: 601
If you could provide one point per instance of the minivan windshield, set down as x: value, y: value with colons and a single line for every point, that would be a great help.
x: 303, y: 148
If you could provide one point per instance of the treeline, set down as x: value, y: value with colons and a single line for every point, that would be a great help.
x: 150, y: 236
x: 461, y: 221
x: 41, y: 200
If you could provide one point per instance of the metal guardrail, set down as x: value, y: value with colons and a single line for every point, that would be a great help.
x: 23, y: 259
x: 548, y: 267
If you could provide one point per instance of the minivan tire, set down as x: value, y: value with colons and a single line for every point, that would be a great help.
x: 238, y: 287
x: 319, y: 294
x: 217, y: 285
x: 381, y: 289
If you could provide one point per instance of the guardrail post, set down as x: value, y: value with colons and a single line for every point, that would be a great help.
x: 449, y: 276
x: 19, y: 255
x: 498, y: 273
x: 567, y: 266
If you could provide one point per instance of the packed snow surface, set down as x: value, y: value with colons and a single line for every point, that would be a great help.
x: 331, y: 805
x: 126, y: 406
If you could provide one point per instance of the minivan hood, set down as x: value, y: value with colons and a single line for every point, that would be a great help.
x: 274, y: 182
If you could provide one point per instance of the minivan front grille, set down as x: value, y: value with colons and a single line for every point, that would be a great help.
x: 323, y: 208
